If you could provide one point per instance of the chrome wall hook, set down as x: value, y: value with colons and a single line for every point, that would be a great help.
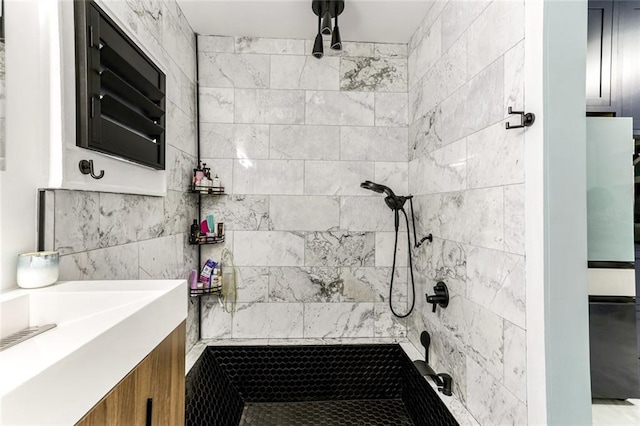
x: 86, y: 168
x: 526, y: 119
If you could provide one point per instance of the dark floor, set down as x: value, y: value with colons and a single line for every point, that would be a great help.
x: 379, y: 412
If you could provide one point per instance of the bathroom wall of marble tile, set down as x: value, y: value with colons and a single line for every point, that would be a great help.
x: 292, y: 138
x: 123, y: 236
x: 465, y: 68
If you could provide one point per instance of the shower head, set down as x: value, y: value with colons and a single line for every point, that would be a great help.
x: 393, y: 201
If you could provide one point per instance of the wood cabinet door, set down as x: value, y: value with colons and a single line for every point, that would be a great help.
x: 152, y: 394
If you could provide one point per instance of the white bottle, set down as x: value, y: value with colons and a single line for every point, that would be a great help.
x: 216, y: 182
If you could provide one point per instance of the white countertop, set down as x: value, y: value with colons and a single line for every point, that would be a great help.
x: 104, y: 329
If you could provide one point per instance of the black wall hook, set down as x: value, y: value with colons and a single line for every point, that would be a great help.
x: 526, y: 120
x: 86, y: 168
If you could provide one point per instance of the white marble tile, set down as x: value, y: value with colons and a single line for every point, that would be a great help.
x: 113, y: 263
x: 385, y: 242
x: 365, y: 284
x: 386, y: 324
x: 268, y: 177
x: 339, y: 108
x: 125, y: 218
x: 158, y: 258
x: 234, y: 140
x: 339, y: 249
x: 495, y: 157
x: 214, y: 251
x: 432, y: 14
x: 337, y: 177
x: 457, y: 17
x: 271, y: 46
x: 181, y: 89
x: 505, y: 18
x: 497, y: 282
x: 305, y: 72
x: 215, y: 322
x: 309, y: 284
x: 252, y: 284
x: 514, y: 219
x: 349, y: 49
x: 270, y: 106
x: 268, y: 248
x: 268, y: 320
x: 515, y: 360
x: 443, y: 260
x: 424, y: 134
x: 390, y: 50
x: 239, y: 212
x: 426, y: 53
x: 207, y: 43
x: 232, y: 70
x: 77, y: 218
x: 374, y: 143
x: 476, y: 105
x: 373, y: 74
x: 304, y: 213
x: 391, y: 109
x: 216, y: 105
x: 395, y: 175
x: 442, y: 170
x: 180, y: 130
x: 187, y: 256
x: 365, y: 214
x: 179, y: 166
x: 514, y: 78
x: 447, y: 75
x: 477, y: 330
x: 194, y: 346
x: 194, y: 354
x: 178, y: 45
x: 338, y: 319
x: 490, y: 402
x: 304, y: 142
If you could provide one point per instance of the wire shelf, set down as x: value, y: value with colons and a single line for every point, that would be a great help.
x: 204, y: 240
x: 209, y: 190
x: 215, y: 290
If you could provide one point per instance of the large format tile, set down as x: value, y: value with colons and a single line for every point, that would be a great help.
x: 271, y: 46
x: 268, y: 248
x: 514, y: 219
x: 456, y: 18
x: 126, y: 218
x: 395, y: 175
x: 232, y: 70
x: 252, y: 283
x: 386, y: 324
x: 339, y: 249
x: 365, y: 214
x: 385, y: 242
x: 77, y: 219
x: 112, y: 263
x: 216, y: 105
x: 158, y: 257
x: 305, y: 72
x: 426, y: 53
x: 515, y: 360
x: 270, y: 106
x: 365, y: 284
x: 373, y: 74
x: 305, y: 284
x: 215, y: 322
x: 443, y: 260
x: 338, y: 320
x: 514, y: 78
x: 305, y: 142
x: 234, y: 140
x: 337, y: 177
x: 424, y: 134
x: 391, y: 109
x: 268, y: 320
x: 497, y: 282
x: 443, y: 170
x: 268, y: 177
x: 239, y: 212
x: 208, y: 43
x: 340, y: 108
x: 373, y: 143
x: 306, y: 213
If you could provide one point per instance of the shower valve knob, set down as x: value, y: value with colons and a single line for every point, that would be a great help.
x: 440, y: 296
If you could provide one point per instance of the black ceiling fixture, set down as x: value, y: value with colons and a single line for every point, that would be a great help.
x: 326, y: 10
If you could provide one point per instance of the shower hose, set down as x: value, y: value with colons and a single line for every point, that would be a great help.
x: 393, y: 268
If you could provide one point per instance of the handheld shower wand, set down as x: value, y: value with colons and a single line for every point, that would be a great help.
x: 396, y: 203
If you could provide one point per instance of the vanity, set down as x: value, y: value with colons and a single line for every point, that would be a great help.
x: 116, y: 353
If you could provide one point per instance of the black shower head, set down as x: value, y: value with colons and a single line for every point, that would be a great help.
x: 394, y: 202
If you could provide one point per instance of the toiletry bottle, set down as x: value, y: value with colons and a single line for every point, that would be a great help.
x: 194, y: 234
x: 216, y: 182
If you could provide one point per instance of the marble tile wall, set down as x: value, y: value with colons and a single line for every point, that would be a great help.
x: 292, y: 138
x: 465, y: 68
x: 123, y: 236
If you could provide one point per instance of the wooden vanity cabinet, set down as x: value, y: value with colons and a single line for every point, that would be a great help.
x: 151, y: 394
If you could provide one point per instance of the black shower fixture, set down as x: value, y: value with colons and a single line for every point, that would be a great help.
x: 326, y: 10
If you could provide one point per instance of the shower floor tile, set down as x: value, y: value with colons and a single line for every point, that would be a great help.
x: 380, y: 412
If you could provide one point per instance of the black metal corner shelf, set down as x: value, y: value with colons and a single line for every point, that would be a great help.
x: 205, y: 240
x: 213, y: 291
x: 206, y: 190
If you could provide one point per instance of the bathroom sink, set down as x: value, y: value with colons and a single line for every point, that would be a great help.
x: 103, y: 330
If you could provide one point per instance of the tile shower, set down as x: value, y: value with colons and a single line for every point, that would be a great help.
x: 291, y: 138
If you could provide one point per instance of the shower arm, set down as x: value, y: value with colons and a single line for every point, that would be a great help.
x: 413, y: 220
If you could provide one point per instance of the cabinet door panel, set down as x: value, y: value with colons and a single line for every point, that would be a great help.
x: 599, y: 48
x: 629, y: 53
